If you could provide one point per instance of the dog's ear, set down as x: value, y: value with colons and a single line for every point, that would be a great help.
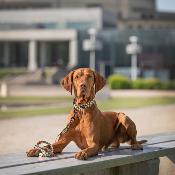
x: 67, y: 82
x: 99, y: 81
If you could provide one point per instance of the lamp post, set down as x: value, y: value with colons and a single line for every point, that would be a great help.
x: 91, y: 45
x: 133, y: 48
x: 92, y: 33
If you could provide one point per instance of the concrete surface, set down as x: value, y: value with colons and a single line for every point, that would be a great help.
x: 20, y: 134
x: 54, y: 90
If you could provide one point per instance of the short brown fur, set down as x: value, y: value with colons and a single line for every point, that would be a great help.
x: 95, y: 130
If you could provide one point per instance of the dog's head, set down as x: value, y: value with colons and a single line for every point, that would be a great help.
x: 85, y: 82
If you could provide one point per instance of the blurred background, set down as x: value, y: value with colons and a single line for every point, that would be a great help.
x: 130, y: 42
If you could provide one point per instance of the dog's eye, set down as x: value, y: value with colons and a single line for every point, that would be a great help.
x: 89, y: 76
x: 76, y: 77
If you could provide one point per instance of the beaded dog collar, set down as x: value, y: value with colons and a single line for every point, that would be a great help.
x: 84, y: 106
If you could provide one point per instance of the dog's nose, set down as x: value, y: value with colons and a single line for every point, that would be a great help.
x: 82, y: 85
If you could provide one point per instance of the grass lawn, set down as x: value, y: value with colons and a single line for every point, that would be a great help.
x: 63, y: 105
x: 134, y: 102
x: 6, y: 72
x: 33, y: 100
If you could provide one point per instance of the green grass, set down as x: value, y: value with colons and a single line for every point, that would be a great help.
x: 34, y: 112
x: 134, y: 102
x: 34, y: 100
x: 111, y: 104
x: 6, y: 72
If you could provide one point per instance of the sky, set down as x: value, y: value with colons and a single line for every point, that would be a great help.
x: 166, y: 5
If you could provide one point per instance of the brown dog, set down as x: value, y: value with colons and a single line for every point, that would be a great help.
x: 93, y: 130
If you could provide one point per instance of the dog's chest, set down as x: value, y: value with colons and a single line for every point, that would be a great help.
x: 86, y: 121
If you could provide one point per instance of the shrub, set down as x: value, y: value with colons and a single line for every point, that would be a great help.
x: 154, y: 83
x: 168, y: 85
x: 119, y: 82
x: 151, y: 83
x: 139, y: 84
x: 122, y: 82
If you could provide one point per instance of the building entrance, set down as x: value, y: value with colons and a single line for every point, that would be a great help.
x: 52, y: 53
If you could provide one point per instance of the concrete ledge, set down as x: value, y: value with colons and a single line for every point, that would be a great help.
x: 123, y: 161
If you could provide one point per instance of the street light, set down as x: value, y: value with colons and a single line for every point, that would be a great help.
x: 92, y: 32
x: 133, y: 49
x: 92, y: 44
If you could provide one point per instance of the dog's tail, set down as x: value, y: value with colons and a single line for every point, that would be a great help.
x: 142, y: 141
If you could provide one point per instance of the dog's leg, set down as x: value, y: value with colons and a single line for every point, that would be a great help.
x: 131, y: 132
x: 92, y: 139
x: 88, y: 152
x: 78, y: 140
x: 135, y: 145
x: 66, y: 138
x: 61, y: 144
x: 63, y: 141
x: 58, y: 146
x: 34, y: 152
x: 115, y: 144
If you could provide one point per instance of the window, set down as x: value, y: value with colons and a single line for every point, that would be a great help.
x: 94, y: 5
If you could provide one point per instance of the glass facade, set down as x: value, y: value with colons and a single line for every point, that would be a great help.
x: 13, y: 54
x: 57, y: 51
x: 79, y: 25
x: 156, y: 59
x: 158, y: 50
x: 17, y: 53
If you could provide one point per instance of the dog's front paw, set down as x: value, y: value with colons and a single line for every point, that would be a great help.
x: 82, y: 155
x: 33, y: 152
x: 136, y: 147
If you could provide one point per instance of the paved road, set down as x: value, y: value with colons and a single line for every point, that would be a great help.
x: 21, y: 133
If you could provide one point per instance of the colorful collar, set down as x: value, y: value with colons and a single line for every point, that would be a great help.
x: 84, y: 106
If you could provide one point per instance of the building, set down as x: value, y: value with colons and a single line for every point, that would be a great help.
x: 130, y: 14
x: 38, y: 38
x: 35, y: 34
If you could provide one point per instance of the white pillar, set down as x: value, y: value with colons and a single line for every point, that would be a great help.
x: 102, y: 68
x: 73, y: 53
x: 133, y: 67
x: 3, y: 89
x: 43, y: 54
x: 92, y: 52
x: 32, y: 62
x: 6, y: 54
x: 92, y: 59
